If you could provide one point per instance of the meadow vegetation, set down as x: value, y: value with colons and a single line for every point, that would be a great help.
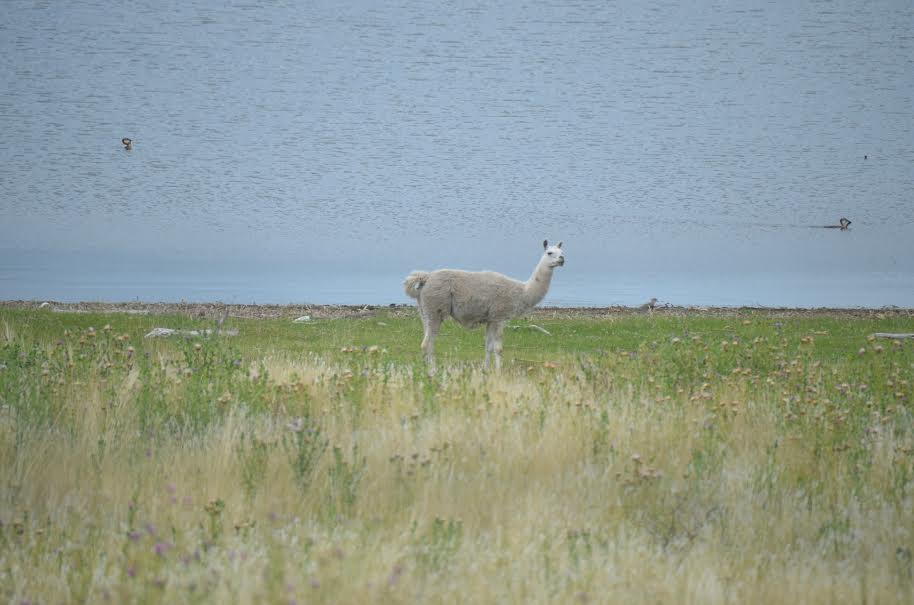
x: 744, y: 457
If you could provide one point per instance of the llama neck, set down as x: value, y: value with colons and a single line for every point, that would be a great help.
x: 536, y: 287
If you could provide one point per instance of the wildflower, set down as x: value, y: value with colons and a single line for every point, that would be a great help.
x: 296, y: 425
x: 161, y: 548
x: 214, y: 507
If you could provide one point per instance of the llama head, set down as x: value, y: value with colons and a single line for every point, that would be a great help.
x: 553, y: 255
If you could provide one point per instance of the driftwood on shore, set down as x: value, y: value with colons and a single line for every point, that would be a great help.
x: 533, y: 327
x: 125, y: 311
x: 162, y: 332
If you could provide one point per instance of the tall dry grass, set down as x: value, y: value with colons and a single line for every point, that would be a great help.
x: 190, y: 476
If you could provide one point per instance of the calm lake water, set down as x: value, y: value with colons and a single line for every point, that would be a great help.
x: 319, y: 151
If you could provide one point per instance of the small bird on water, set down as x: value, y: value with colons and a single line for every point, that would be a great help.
x: 843, y: 225
x: 128, y: 144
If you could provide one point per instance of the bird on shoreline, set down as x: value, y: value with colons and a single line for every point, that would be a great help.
x: 649, y: 306
x: 128, y: 144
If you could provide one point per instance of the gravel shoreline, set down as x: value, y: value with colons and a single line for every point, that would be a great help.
x: 216, y: 310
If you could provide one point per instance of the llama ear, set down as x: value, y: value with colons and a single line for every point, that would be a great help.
x: 560, y: 245
x: 545, y: 244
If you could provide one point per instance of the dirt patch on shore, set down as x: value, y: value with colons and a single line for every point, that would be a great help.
x: 217, y: 310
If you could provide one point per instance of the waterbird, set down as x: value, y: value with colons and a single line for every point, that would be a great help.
x: 843, y: 225
x: 128, y: 144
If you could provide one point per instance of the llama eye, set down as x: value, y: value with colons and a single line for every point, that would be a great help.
x: 551, y: 253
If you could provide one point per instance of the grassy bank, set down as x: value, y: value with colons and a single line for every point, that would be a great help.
x: 750, y: 457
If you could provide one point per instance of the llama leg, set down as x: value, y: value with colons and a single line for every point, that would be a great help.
x: 496, y: 345
x: 493, y: 334
x: 422, y: 347
x: 485, y: 360
x: 432, y: 324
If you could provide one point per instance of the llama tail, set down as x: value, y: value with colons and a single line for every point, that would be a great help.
x: 414, y: 282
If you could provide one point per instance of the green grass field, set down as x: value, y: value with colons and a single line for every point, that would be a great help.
x: 747, y: 457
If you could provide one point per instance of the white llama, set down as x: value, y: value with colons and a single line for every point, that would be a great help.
x: 478, y: 297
